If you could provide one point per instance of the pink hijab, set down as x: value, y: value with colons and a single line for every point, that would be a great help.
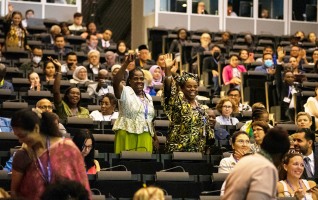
x: 152, y: 70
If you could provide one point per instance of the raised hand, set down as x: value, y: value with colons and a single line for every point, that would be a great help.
x: 168, y: 60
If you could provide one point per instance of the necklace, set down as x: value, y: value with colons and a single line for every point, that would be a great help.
x: 291, y: 187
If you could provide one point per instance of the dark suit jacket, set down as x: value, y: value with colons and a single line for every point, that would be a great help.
x: 112, y: 47
x: 305, y: 176
x: 149, y: 63
x: 85, y: 49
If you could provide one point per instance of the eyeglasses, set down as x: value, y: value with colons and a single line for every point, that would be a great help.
x: 46, y: 107
x: 87, y: 147
x: 234, y: 95
x: 241, y: 142
x: 227, y: 107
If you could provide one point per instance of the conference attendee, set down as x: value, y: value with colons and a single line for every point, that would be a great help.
x: 205, y: 44
x: 156, y: 73
x: 108, y: 105
x: 211, y: 66
x: 80, y: 76
x: 225, y: 40
x: 188, y: 130
x: 265, y: 14
x: 60, y: 46
x: 102, y: 86
x: 77, y: 23
x: 235, y: 95
x: 133, y: 127
x: 54, y: 31
x: 226, y: 108
x: 232, y: 73
x: 240, y: 143
x: 106, y: 42
x: 35, y: 82
x: 230, y: 11
x: 304, y: 140
x: 85, y: 142
x: 182, y: 40
x: 246, y: 57
x: 291, y: 184
x: 121, y: 51
x: 311, y: 107
x: 201, y: 8
x: 4, y: 84
x: 49, y: 71
x: 46, y: 158
x: 266, y: 50
x: 14, y: 33
x: 110, y: 58
x: 268, y: 66
x: 149, y: 193
x: 91, y: 44
x: 94, y: 64
x: 260, y: 129
x: 115, y: 69
x: 144, y: 61
x: 260, y: 175
x: 70, y: 64
x: 28, y: 14
x: 314, y: 60
x: 303, y: 120
x: 69, y: 105
x: 36, y: 61
x: 91, y: 29
x: 64, y: 29
x: 312, y: 38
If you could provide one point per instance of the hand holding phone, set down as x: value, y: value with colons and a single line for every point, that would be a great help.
x: 310, y: 190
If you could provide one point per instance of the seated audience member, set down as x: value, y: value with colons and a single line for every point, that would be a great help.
x: 299, y: 54
x: 69, y: 105
x: 14, y: 33
x: 292, y: 184
x: 102, y: 87
x: 249, y: 40
x: 3, y: 83
x: 286, y: 88
x: 28, y: 14
x: 110, y: 58
x: 260, y: 129
x: 182, y: 39
x: 211, y: 66
x: 156, y: 73
x: 266, y: 50
x: 77, y: 23
x: 314, y: 60
x: 85, y: 142
x: 91, y: 44
x: 225, y: 40
x: 49, y: 71
x: 161, y: 63
x: 241, y: 146
x: 312, y: 38
x: 232, y: 73
x: 36, y: 61
x: 226, y: 106
x: 293, y: 65
x: 35, y: 81
x: 45, y: 105
x: 246, y: 57
x: 260, y: 174
x: 108, y: 105
x: 258, y: 114
x: 235, y: 95
x: 144, y: 61
x: 148, y: 87
x: 94, y: 64
x: 91, y: 30
x: 65, y: 189
x: 115, y: 69
x: 64, y: 29
x: 59, y: 46
x: 265, y: 14
x: 106, y: 42
x: 80, y: 76
x: 230, y: 11
x: 311, y: 107
x: 301, y: 37
x: 121, y: 51
x: 268, y: 66
x: 303, y: 120
x: 55, y: 30
x: 149, y: 193
x: 71, y: 63
x: 205, y: 44
x: 201, y: 8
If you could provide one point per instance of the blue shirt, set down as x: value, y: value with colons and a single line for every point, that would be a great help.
x: 5, y: 124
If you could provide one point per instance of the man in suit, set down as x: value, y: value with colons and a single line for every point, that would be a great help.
x: 143, y: 59
x: 304, y: 143
x: 91, y: 44
x: 60, y: 46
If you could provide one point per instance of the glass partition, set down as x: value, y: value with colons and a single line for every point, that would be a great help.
x: 205, y: 7
x: 304, y: 10
x: 271, y: 9
x: 240, y: 8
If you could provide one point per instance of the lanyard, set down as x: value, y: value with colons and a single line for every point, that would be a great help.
x: 293, y: 188
x: 145, y: 104
x: 46, y: 176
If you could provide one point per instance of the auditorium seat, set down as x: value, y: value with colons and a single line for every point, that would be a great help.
x: 5, y: 180
x: 8, y: 108
x: 6, y: 94
x: 8, y: 140
x: 104, y: 143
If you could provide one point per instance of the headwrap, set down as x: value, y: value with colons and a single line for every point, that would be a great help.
x: 152, y: 71
x: 185, y: 77
x: 75, y: 75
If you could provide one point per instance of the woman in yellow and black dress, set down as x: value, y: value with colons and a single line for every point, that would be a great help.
x: 189, y: 127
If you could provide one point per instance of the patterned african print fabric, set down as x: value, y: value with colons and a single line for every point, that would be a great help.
x: 189, y: 128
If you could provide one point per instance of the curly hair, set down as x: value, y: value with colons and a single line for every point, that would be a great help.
x: 222, y: 101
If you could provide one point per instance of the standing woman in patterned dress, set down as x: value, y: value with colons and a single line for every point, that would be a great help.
x: 133, y: 127
x: 189, y: 127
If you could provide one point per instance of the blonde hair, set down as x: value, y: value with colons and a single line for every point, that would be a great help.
x: 149, y: 193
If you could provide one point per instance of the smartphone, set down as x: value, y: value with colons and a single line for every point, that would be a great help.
x: 316, y: 186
